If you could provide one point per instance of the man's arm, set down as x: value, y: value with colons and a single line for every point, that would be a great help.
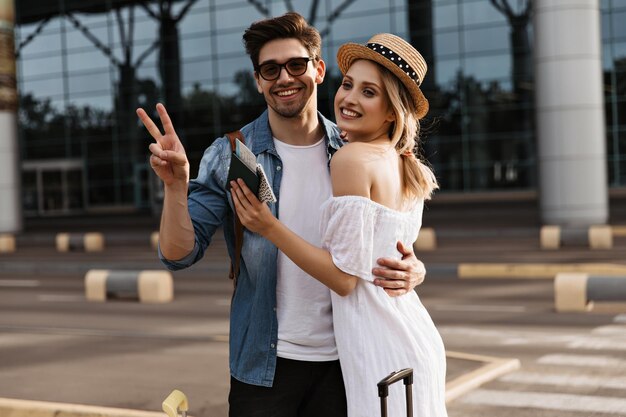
x: 176, y: 235
x: 398, y: 277
x: 169, y: 162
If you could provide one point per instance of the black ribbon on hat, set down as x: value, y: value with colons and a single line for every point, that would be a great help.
x: 395, y: 59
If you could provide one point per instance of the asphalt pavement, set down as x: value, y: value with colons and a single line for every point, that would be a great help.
x: 56, y: 346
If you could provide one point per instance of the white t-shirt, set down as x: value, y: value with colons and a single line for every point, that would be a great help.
x: 305, y: 324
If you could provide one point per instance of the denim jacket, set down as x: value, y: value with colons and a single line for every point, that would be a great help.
x: 253, y: 321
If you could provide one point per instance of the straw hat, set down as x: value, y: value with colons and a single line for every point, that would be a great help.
x: 395, y: 54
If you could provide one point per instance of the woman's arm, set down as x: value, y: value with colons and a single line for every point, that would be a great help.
x: 317, y: 262
x: 395, y: 276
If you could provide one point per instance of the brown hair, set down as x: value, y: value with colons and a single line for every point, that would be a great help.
x: 419, y: 179
x: 289, y: 25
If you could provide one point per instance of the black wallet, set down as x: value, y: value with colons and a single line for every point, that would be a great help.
x: 238, y: 169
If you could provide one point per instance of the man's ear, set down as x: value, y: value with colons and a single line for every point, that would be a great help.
x: 320, y: 71
x: 258, y: 82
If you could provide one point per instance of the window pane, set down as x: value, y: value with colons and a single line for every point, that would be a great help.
x: 446, y: 44
x: 46, y: 87
x: 481, y: 12
x: 486, y: 39
x: 446, y: 16
x: 494, y: 67
x: 29, y: 191
x: 82, y: 61
x: 52, y: 191
x: 43, y: 67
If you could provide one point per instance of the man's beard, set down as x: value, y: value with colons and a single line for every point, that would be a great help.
x: 288, y: 110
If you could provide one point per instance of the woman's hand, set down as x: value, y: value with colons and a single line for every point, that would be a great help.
x: 254, y: 215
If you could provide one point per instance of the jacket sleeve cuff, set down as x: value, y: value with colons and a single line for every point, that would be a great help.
x: 185, y: 262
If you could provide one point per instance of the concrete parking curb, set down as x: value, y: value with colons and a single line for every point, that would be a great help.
x: 534, y: 271
x: 7, y: 243
x: 88, y: 242
x: 426, y: 240
x: 154, y: 240
x: 579, y: 292
x: 491, y: 369
x: 146, y: 286
x: 619, y: 231
x: 595, y: 237
x: 26, y: 408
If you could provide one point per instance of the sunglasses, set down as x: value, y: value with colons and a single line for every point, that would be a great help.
x: 270, y: 71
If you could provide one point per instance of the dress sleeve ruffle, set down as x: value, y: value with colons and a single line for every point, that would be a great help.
x: 347, y: 229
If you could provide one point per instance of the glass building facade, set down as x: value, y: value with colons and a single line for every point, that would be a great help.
x: 84, y: 66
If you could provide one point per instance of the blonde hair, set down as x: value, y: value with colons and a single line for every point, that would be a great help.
x: 419, y: 179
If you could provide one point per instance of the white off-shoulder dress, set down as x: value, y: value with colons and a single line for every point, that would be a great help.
x: 377, y: 334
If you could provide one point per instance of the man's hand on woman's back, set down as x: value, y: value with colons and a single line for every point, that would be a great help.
x: 398, y: 277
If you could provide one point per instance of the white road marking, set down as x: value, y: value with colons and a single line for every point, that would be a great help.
x: 22, y: 340
x: 592, y: 361
x: 471, y: 332
x: 20, y: 283
x: 560, y: 402
x: 222, y: 302
x: 597, y: 343
x: 613, y: 330
x: 90, y: 332
x: 60, y: 298
x: 486, y: 309
x: 503, y: 337
x: 536, y: 378
x: 620, y: 318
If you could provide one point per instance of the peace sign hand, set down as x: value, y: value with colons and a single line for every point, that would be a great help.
x: 168, y: 159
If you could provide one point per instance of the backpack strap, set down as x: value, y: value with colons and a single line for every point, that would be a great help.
x: 235, y: 262
x: 235, y: 135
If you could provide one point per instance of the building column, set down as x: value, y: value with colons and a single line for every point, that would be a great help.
x: 570, y: 112
x: 10, y: 195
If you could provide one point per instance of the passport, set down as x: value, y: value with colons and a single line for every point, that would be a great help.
x: 243, y: 165
x: 239, y: 169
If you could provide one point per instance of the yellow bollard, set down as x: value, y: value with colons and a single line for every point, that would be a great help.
x: 550, y: 237
x: 570, y: 292
x: 174, y: 403
x: 7, y: 243
x: 426, y: 240
x: 154, y: 240
x: 600, y: 237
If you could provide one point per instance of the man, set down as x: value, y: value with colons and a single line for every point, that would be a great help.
x: 283, y: 357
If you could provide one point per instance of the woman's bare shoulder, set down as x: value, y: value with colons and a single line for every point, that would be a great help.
x: 348, y: 171
x: 353, y: 152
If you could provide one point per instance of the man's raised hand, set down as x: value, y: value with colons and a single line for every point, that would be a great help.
x: 168, y: 159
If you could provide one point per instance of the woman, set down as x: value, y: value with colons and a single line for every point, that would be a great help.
x: 379, y: 187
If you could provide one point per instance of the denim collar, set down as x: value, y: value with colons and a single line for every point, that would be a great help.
x: 264, y: 141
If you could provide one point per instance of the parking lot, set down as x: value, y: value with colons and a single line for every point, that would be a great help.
x: 56, y: 346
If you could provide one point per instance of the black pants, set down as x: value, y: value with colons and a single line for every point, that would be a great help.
x: 301, y: 389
